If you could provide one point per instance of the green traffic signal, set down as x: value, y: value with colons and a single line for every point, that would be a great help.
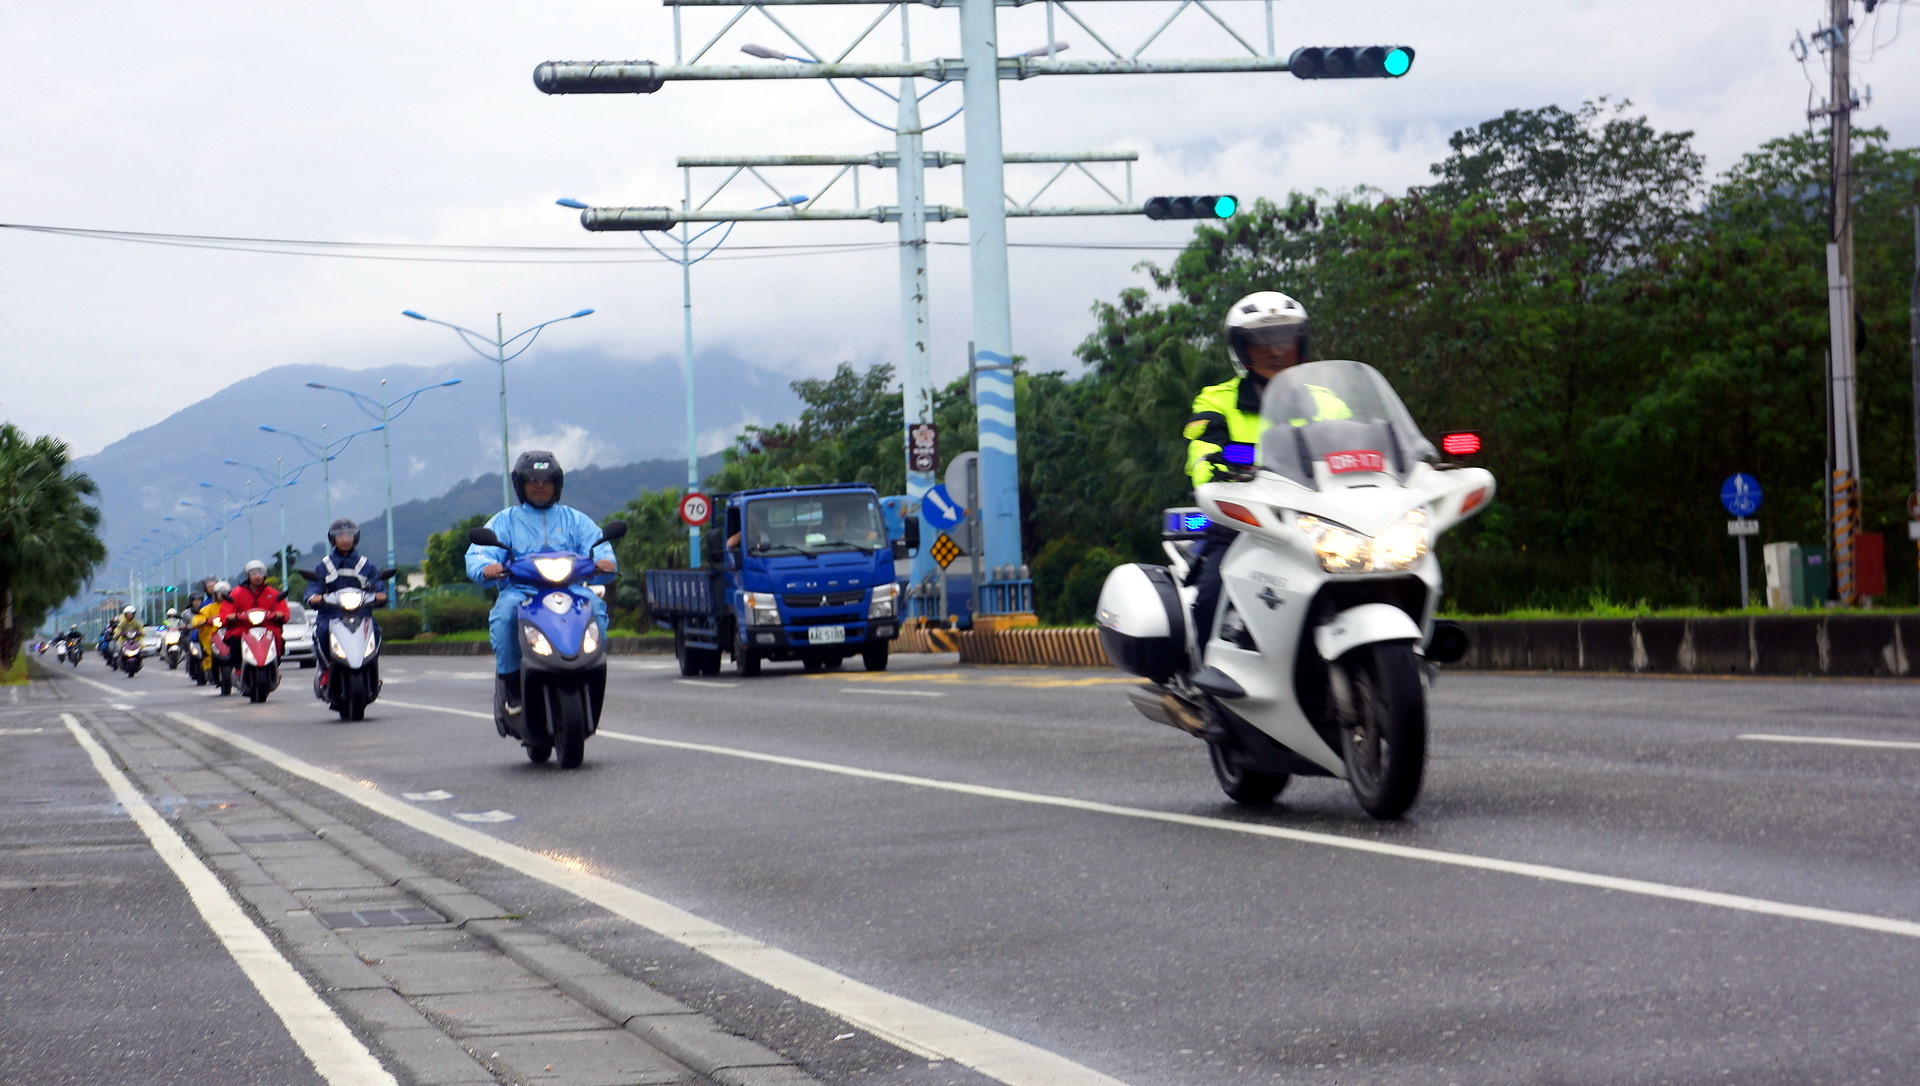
x: 1399, y: 59
x: 1224, y: 207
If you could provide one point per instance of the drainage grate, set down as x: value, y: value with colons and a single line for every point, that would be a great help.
x: 381, y: 918
x: 263, y: 838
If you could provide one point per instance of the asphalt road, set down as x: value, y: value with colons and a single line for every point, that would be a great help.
x: 1604, y: 882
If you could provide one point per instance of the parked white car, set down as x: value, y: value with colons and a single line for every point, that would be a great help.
x: 299, y: 634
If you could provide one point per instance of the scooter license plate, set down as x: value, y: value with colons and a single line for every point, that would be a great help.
x: 826, y: 635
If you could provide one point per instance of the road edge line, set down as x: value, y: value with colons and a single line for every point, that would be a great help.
x: 329, y: 1045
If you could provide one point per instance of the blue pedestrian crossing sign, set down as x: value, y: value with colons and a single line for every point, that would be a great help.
x: 939, y: 510
x: 1740, y: 494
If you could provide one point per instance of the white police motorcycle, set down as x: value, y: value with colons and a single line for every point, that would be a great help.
x: 1324, y: 636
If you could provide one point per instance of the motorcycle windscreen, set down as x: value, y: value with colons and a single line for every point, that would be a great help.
x: 1340, y: 413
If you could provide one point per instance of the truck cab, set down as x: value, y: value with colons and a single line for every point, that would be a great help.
x: 791, y: 573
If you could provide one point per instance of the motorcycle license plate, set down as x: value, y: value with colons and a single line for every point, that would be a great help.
x: 826, y: 635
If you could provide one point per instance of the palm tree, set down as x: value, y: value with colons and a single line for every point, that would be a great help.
x: 49, y: 539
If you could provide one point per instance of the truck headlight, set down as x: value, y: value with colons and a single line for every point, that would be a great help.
x: 886, y: 598
x: 763, y: 609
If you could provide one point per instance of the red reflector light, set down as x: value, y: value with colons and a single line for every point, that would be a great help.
x: 1460, y: 443
x: 1238, y: 512
x: 1473, y: 501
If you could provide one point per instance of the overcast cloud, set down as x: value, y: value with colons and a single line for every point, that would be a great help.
x: 419, y: 122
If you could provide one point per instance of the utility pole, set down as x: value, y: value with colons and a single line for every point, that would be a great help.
x: 1913, y: 352
x: 1843, y: 436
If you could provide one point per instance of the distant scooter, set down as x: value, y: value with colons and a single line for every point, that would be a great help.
x: 196, y: 660
x: 352, y: 650
x: 130, y: 655
x: 259, y: 654
x: 170, y: 649
x: 563, y: 663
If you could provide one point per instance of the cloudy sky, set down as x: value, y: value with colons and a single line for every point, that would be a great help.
x: 419, y: 123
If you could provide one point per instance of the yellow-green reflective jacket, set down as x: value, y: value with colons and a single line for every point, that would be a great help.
x: 1229, y: 414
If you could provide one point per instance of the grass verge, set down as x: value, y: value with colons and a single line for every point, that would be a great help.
x: 17, y: 674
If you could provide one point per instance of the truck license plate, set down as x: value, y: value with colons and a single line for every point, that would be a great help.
x: 826, y: 635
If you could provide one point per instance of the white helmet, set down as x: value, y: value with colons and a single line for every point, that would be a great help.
x: 221, y: 589
x: 1268, y: 317
x: 173, y: 612
x: 253, y: 565
x: 127, y: 610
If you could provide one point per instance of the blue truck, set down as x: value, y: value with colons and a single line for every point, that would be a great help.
x: 791, y: 573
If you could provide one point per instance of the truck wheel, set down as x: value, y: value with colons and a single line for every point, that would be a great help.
x: 688, y: 658
x: 709, y: 661
x: 874, y: 656
x: 745, y: 660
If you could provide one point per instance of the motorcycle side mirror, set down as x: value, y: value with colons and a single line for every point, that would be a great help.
x: 389, y: 574
x: 484, y: 537
x: 614, y: 530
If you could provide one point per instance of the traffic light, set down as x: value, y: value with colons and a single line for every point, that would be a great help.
x: 1351, y: 61
x: 1192, y: 207
x: 627, y: 218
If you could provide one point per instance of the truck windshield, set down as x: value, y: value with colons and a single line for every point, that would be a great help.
x: 810, y: 524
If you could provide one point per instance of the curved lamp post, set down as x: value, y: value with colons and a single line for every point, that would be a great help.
x: 386, y: 412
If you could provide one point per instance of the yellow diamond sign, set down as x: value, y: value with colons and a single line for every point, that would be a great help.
x: 944, y: 550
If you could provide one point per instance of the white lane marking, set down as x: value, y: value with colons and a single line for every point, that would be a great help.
x: 898, y: 693
x: 427, y: 797
x: 1887, y: 744
x: 115, y: 691
x: 1738, y: 902
x: 919, y: 1029
x: 432, y: 708
x: 335, y: 1052
x: 483, y: 816
x: 21, y: 731
x: 706, y: 683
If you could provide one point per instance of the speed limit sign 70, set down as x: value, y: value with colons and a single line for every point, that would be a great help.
x: 696, y: 509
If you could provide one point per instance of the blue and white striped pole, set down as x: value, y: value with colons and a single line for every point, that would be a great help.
x: 992, y: 310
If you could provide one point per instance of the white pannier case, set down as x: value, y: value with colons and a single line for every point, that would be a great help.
x: 1143, y: 626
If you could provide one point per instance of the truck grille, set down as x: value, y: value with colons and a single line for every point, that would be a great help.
x: 830, y: 599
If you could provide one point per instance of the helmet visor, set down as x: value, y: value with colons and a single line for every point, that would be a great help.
x: 1285, y: 340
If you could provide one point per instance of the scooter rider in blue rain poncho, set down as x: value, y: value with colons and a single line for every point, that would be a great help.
x: 538, y: 523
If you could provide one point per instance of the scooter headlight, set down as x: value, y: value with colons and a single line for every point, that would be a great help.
x: 334, y: 644
x: 763, y: 609
x: 538, y: 642
x: 554, y: 570
x: 1403, y: 543
x: 1339, y: 548
x: 351, y: 599
x: 257, y: 616
x: 886, y: 598
x: 590, y: 641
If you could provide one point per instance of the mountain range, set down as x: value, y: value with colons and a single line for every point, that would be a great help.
x: 589, y: 409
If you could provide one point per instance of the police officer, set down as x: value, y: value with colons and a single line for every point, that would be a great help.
x: 1266, y: 333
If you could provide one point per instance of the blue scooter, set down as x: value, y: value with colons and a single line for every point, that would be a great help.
x: 563, y: 662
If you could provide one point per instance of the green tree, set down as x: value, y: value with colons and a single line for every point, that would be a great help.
x: 49, y: 541
x: 446, y: 552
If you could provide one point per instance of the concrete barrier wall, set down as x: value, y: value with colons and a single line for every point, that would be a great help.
x: 1841, y: 644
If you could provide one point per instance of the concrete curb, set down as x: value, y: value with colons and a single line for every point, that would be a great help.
x: 1851, y: 644
x: 676, y: 1030
x: 616, y: 646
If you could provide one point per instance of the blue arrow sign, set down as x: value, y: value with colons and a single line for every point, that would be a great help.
x: 939, y: 509
x: 1740, y: 494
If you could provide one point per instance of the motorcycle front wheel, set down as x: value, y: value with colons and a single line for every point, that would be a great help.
x: 568, y: 710
x: 1383, y: 727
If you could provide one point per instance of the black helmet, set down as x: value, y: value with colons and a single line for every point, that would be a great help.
x: 538, y: 465
x: 344, y: 525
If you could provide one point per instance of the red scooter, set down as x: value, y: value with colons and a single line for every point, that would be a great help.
x: 258, y: 655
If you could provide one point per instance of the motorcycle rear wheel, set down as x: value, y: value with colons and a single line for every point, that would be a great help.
x: 1383, y: 732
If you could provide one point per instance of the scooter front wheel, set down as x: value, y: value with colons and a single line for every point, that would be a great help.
x: 1383, y: 728
x: 567, y: 714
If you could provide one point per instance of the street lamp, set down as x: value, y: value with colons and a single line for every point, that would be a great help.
x: 686, y: 261
x: 280, y: 483
x: 325, y: 451
x: 243, y: 503
x: 215, y: 523
x: 386, y: 413
x: 499, y: 343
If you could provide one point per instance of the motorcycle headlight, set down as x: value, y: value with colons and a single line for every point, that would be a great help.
x: 590, y: 641
x: 1339, y: 548
x: 886, y: 598
x: 554, y: 570
x: 763, y: 609
x: 1403, y: 543
x: 257, y: 616
x: 333, y: 643
x: 351, y: 599
x: 538, y: 642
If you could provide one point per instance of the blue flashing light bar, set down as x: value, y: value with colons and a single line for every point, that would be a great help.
x: 1238, y: 452
x: 1185, y: 522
